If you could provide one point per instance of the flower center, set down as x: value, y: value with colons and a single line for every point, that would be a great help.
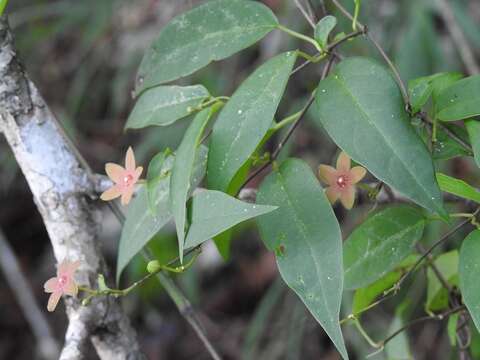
x: 342, y: 181
x: 62, y: 280
x: 127, y: 180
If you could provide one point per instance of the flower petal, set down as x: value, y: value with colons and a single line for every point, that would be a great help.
x: 53, y: 300
x: 343, y: 162
x: 70, y: 288
x: 332, y: 194
x: 111, y: 193
x: 130, y: 160
x: 357, y: 173
x: 115, y: 172
x: 347, y: 197
x: 327, y: 174
x: 63, y: 267
x: 138, y: 173
x: 127, y: 195
x: 73, y: 266
x: 50, y: 285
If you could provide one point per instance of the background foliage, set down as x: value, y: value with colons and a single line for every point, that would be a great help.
x: 84, y: 57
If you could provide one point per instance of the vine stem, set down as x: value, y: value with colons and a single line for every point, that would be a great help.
x: 437, y: 317
x: 382, y: 52
x: 300, y: 36
x: 181, y: 302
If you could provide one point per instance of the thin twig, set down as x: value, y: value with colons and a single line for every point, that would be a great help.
x: 382, y: 52
x: 424, y: 116
x: 397, y: 286
x: 47, y: 345
x: 435, y: 270
x: 182, y: 303
x: 458, y: 37
x: 432, y: 248
x: 184, y: 307
x: 304, y: 13
x: 311, y: 10
x: 438, y: 317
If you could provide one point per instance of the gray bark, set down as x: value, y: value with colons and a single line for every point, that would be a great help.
x: 60, y: 189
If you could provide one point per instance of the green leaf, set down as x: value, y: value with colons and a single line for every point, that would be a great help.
x: 443, y: 80
x: 421, y: 88
x: 323, y: 29
x: 365, y: 296
x: 458, y: 187
x: 380, y: 243
x: 3, y: 5
x: 473, y: 129
x: 419, y: 91
x: 141, y: 224
x: 245, y: 119
x: 305, y: 235
x: 209, y: 32
x: 437, y: 295
x: 469, y: 271
x: 212, y: 212
x: 163, y: 105
x: 445, y: 147
x: 155, y: 174
x: 361, y: 108
x: 182, y: 173
x: 460, y: 100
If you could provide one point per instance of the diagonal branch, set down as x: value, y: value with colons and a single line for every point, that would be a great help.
x: 60, y: 189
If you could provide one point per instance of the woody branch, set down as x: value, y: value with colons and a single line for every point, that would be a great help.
x: 60, y: 189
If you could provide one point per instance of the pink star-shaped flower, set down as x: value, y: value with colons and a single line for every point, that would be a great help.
x: 341, y: 180
x: 63, y: 283
x: 124, y: 179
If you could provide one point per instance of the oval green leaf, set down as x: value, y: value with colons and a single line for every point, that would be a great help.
x: 305, y: 235
x: 182, y: 172
x: 469, y: 272
x: 458, y: 187
x: 163, y: 105
x: 460, y: 100
x: 209, y: 32
x: 323, y: 29
x: 245, y: 119
x: 380, y: 243
x: 361, y: 108
x: 365, y: 296
x: 212, y: 212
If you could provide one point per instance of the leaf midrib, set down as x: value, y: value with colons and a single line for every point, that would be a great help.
x: 302, y: 229
x: 382, y: 135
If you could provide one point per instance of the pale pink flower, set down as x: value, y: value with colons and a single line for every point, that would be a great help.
x: 341, y: 180
x: 124, y: 179
x: 63, y: 283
